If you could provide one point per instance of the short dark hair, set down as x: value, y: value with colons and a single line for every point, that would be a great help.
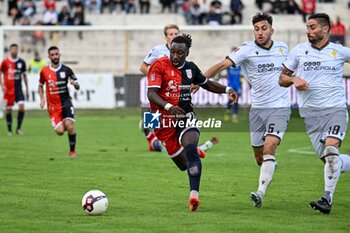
x: 14, y: 45
x: 262, y: 17
x: 52, y: 48
x: 322, y: 19
x: 184, y: 38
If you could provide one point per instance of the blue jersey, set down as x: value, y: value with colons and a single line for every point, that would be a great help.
x: 233, y: 78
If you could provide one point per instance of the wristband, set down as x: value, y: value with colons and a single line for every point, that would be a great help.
x: 167, y: 106
x: 227, y: 90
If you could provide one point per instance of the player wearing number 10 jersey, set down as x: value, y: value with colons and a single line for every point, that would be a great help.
x: 56, y: 77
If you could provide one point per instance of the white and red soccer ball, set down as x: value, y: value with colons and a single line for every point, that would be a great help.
x: 94, y: 202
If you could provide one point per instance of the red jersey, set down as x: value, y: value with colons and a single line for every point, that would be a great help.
x: 56, y: 81
x: 309, y: 6
x: 338, y: 29
x: 13, y: 71
x: 174, y: 82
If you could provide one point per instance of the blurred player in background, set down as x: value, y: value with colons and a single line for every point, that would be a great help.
x: 56, y: 77
x: 261, y: 64
x: 14, y: 70
x: 318, y: 68
x: 169, y: 82
x: 233, y: 81
x: 163, y: 50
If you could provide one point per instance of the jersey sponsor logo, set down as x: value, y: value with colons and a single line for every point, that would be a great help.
x: 189, y: 73
x: 63, y: 74
x: 268, y: 67
x: 172, y: 85
x: 316, y: 65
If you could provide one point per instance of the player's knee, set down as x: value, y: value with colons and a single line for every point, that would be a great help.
x: 59, y: 133
x: 329, y: 151
x: 195, y: 168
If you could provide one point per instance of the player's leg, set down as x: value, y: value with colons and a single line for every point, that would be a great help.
x: 69, y: 121
x: 207, y: 146
x: 9, y: 101
x: 335, y: 126
x: 189, y: 140
x: 227, y: 115
x: 20, y: 117
x: 266, y: 170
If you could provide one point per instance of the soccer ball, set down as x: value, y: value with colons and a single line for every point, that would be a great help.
x: 94, y: 202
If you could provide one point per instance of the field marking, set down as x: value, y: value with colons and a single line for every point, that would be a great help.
x: 302, y: 150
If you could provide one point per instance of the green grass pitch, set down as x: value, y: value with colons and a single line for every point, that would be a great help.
x: 41, y: 187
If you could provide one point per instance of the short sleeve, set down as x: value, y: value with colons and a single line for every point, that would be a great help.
x: 71, y: 75
x: 42, y: 78
x: 151, y: 56
x: 239, y: 55
x: 199, y: 77
x: 155, y: 75
x: 2, y: 67
x: 292, y: 61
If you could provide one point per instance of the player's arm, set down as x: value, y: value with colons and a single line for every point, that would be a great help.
x: 144, y: 68
x: 217, y: 68
x: 154, y: 98
x: 73, y: 80
x: 1, y: 83
x: 25, y: 79
x: 216, y: 87
x: 41, y: 95
x: 286, y: 80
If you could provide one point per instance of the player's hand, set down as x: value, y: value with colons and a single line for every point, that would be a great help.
x: 42, y: 103
x: 177, y: 111
x: 194, y: 88
x: 234, y: 96
x: 300, y: 84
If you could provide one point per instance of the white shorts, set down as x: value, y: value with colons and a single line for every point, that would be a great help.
x: 271, y: 121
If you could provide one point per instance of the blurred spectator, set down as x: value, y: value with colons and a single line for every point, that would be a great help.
x: 115, y: 3
x: 36, y: 64
x: 26, y: 37
x: 236, y: 7
x: 64, y: 17
x: 94, y: 5
x: 144, y: 6
x: 292, y: 7
x: 308, y: 8
x: 338, y: 32
x: 196, y: 12
x: 215, y: 13
x: 39, y: 37
x: 130, y: 6
x: 186, y: 11
x: 259, y: 4
x: 50, y: 16
x: 13, y: 11
x: 50, y: 4
x: 166, y: 4
x: 28, y: 8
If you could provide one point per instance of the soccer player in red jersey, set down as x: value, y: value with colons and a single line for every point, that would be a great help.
x: 14, y: 70
x: 56, y: 77
x: 169, y: 81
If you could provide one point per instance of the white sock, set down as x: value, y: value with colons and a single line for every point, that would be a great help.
x: 206, y: 146
x: 266, y: 172
x: 194, y: 193
x: 331, y: 174
x: 345, y: 162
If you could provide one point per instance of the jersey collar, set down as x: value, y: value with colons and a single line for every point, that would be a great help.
x: 53, y: 69
x: 182, y: 66
x: 322, y: 47
x: 13, y: 60
x: 262, y: 46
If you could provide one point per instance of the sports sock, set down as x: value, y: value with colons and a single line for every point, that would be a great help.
x: 72, y: 141
x: 331, y: 175
x: 206, y: 146
x: 345, y: 162
x: 194, y: 193
x: 20, y: 117
x: 194, y: 166
x: 266, y: 172
x: 9, y: 121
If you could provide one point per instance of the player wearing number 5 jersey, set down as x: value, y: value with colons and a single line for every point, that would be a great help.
x: 56, y: 77
x: 261, y: 64
x: 318, y: 68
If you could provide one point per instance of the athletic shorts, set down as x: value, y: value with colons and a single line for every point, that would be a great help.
x: 10, y: 99
x: 171, y: 137
x: 330, y: 125
x: 271, y: 121
x: 59, y: 114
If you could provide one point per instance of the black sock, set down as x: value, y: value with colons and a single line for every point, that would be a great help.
x: 9, y: 121
x: 20, y: 117
x: 72, y: 141
x: 194, y: 166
